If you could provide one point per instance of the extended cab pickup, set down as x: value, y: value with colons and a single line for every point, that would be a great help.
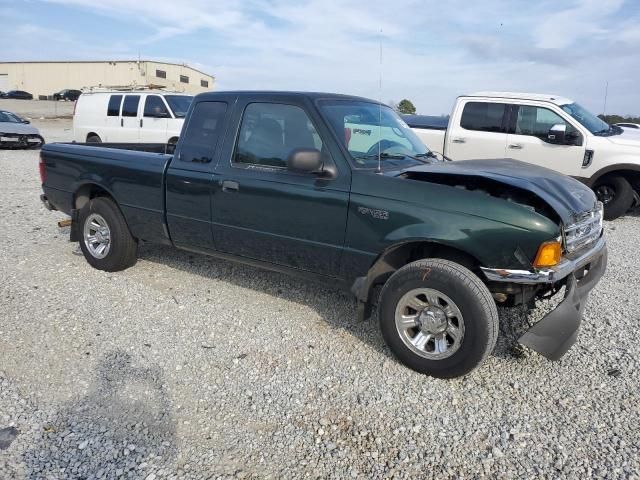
x: 545, y: 130
x: 339, y: 189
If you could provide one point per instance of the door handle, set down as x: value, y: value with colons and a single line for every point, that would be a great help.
x: 458, y: 140
x: 140, y: 122
x: 122, y: 122
x: 230, y: 186
x: 515, y: 146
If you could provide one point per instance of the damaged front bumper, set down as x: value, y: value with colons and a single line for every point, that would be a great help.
x: 557, y: 331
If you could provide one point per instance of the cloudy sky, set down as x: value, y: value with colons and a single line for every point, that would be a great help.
x: 432, y: 51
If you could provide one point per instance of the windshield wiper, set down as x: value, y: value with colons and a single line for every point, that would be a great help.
x: 432, y: 155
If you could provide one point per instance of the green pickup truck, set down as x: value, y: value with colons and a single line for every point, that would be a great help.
x: 338, y: 189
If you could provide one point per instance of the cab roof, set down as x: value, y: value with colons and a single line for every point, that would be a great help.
x: 541, y: 97
x: 283, y: 93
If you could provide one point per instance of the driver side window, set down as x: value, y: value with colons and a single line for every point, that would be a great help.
x: 270, y: 132
x: 537, y: 121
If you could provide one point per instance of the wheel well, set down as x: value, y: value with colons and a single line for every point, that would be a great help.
x: 633, y: 176
x: 398, y: 256
x: 92, y: 134
x: 173, y: 140
x: 86, y: 193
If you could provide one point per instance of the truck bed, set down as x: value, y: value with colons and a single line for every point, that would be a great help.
x: 132, y: 173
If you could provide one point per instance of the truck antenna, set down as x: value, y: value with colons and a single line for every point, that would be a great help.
x: 379, y: 169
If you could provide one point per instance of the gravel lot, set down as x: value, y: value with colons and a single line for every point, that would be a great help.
x: 190, y: 367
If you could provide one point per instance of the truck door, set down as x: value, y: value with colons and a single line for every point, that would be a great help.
x: 529, y: 140
x: 154, y: 121
x: 478, y: 131
x: 129, y: 123
x: 190, y: 176
x: 262, y: 210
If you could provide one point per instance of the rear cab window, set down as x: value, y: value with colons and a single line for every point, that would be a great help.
x: 205, y: 128
x: 484, y: 117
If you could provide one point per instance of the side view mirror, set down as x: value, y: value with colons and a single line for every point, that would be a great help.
x: 557, y: 134
x: 26, y: 121
x: 305, y: 160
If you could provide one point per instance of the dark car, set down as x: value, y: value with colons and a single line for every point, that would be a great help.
x: 338, y: 189
x: 18, y: 95
x: 71, y: 95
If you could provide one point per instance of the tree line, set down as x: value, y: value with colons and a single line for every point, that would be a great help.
x: 611, y: 119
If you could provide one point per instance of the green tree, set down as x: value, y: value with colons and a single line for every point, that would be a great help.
x: 405, y: 106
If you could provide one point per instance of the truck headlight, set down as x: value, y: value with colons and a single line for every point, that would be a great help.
x: 549, y: 254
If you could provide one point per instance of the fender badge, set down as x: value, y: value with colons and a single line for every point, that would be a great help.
x: 374, y: 212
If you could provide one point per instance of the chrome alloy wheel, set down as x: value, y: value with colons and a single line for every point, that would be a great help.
x: 429, y: 323
x: 97, y: 236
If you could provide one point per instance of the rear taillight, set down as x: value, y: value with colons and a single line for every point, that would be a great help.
x: 43, y: 169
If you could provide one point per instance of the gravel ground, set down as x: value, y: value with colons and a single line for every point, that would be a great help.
x: 190, y: 367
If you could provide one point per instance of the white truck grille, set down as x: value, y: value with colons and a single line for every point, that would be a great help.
x: 585, y: 231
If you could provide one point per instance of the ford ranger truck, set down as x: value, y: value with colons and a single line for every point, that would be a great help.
x: 340, y: 190
x: 545, y: 130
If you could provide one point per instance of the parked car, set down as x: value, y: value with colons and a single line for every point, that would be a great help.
x: 18, y: 95
x: 338, y: 189
x: 548, y: 131
x: 15, y: 132
x: 144, y: 116
x: 70, y: 95
x: 633, y: 126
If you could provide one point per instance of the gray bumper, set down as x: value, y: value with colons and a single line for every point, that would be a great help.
x: 557, y: 331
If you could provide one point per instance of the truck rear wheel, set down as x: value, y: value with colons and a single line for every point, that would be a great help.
x: 616, y: 194
x: 438, y: 318
x: 94, y: 139
x: 105, y: 239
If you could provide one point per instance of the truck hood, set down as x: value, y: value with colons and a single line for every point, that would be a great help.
x: 629, y: 138
x: 18, y: 128
x: 565, y: 195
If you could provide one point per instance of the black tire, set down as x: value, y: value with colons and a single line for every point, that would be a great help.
x: 470, y: 296
x: 123, y: 247
x: 94, y: 139
x: 616, y: 194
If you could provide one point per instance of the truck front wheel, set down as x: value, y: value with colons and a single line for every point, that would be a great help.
x: 438, y: 318
x: 105, y: 239
x: 616, y: 194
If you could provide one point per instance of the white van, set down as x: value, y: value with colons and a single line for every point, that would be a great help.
x: 143, y: 116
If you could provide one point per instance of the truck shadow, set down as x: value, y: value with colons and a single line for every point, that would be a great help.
x: 336, y: 308
x: 123, y: 421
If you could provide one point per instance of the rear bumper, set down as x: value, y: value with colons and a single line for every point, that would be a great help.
x: 557, y: 331
x: 47, y: 204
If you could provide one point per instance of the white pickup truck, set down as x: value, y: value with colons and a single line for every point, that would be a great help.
x: 545, y: 130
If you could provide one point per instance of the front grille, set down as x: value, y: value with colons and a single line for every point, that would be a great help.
x: 585, y: 231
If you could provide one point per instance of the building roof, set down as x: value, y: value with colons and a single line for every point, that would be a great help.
x: 117, y: 61
x: 558, y: 100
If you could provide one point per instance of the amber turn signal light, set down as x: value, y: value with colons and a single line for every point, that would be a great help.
x: 548, y: 255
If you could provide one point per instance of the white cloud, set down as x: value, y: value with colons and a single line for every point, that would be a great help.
x: 432, y: 50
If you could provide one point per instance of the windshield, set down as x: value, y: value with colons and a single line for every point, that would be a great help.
x: 10, y: 117
x: 368, y: 130
x: 179, y: 104
x: 586, y: 118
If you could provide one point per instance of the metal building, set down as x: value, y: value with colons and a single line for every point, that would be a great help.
x: 43, y: 79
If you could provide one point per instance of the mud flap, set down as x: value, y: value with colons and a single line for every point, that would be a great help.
x: 557, y: 331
